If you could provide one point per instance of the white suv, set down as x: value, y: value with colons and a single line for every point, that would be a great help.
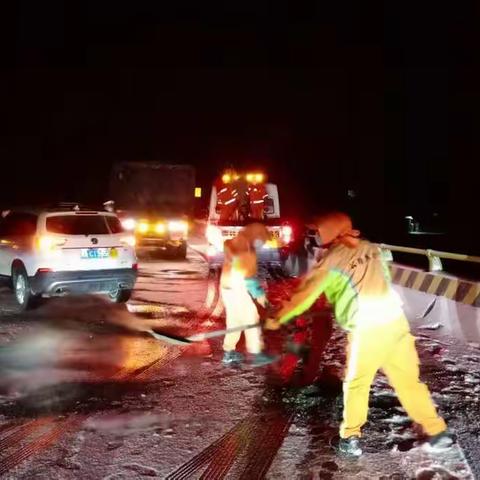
x: 47, y: 253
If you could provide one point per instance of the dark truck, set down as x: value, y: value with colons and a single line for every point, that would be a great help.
x: 155, y: 201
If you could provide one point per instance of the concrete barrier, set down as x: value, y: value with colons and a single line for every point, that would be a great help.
x: 437, y: 300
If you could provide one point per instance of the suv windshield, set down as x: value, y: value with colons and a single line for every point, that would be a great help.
x: 83, y: 224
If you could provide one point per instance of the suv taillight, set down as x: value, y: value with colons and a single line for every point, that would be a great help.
x: 44, y: 270
x: 47, y: 243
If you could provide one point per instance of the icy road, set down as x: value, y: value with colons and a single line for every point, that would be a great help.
x: 86, y: 398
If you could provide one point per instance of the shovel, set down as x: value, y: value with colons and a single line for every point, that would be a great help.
x: 198, y: 337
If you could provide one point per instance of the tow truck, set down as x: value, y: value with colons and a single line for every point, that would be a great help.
x: 275, y: 251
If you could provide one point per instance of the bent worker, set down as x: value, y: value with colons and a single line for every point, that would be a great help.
x: 240, y: 289
x: 356, y: 281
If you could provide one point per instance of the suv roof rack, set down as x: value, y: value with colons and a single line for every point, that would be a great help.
x: 74, y: 206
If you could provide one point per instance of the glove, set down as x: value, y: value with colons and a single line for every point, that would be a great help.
x: 271, y: 324
x: 265, y: 308
x: 254, y: 288
x: 262, y: 301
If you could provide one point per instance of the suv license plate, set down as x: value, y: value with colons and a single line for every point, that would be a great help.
x: 95, y: 253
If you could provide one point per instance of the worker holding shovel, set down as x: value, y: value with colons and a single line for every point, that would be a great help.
x: 241, y: 292
x: 357, y: 283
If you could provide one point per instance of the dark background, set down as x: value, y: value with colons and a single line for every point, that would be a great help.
x: 336, y: 96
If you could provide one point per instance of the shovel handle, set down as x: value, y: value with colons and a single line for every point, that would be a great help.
x: 198, y: 337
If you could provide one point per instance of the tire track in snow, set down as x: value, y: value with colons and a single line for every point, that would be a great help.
x: 211, y: 453
x: 252, y: 445
x: 17, y: 432
x: 262, y: 452
x: 7, y: 427
x: 37, y: 444
x: 228, y: 452
x: 196, y: 463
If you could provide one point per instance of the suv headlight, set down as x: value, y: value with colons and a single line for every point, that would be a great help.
x: 160, y: 228
x: 143, y: 227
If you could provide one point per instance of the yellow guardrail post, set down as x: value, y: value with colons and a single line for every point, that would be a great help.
x: 434, y: 262
x: 386, y: 253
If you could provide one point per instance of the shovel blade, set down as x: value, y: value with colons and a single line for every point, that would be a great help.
x: 169, y: 338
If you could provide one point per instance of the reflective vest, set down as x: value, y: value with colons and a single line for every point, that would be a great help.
x: 226, y: 195
x: 257, y: 194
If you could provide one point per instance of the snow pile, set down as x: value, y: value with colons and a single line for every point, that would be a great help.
x: 420, y: 463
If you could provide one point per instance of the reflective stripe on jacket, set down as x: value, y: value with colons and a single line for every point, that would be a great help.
x: 356, y: 281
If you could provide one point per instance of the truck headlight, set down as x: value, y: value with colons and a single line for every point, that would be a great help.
x: 178, y: 226
x: 160, y: 228
x: 143, y: 227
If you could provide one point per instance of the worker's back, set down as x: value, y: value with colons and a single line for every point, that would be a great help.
x: 359, y: 286
x: 240, y: 262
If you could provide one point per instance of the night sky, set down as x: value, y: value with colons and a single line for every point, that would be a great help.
x: 336, y: 96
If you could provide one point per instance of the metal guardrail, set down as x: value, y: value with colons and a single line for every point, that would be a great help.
x: 434, y: 256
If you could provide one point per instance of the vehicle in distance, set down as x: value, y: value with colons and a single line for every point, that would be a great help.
x: 155, y: 201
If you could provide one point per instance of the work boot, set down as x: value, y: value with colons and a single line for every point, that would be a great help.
x: 261, y: 359
x: 441, y: 441
x: 350, y: 446
x: 232, y: 358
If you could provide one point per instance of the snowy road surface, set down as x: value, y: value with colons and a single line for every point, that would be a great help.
x: 157, y: 411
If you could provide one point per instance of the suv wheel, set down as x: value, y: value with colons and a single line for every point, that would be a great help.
x: 22, y: 290
x: 120, y: 295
